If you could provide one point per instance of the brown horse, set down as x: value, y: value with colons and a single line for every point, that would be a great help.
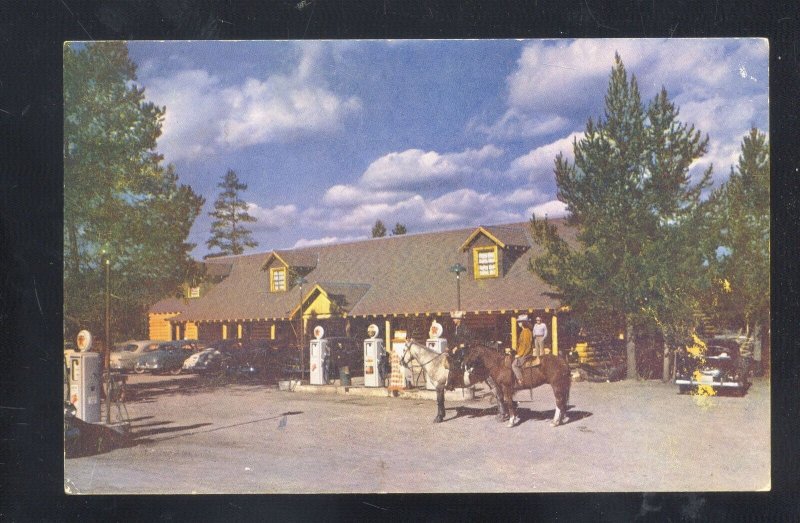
x: 486, y: 364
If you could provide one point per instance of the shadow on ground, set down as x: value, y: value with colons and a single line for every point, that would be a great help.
x: 523, y: 413
x: 90, y: 439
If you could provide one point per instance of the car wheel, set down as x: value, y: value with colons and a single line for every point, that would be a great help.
x: 138, y: 370
x: 175, y: 372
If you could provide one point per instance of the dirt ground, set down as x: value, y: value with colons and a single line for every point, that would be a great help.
x: 189, y: 437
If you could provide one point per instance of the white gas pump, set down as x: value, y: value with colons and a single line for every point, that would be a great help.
x: 374, y: 353
x: 319, y: 354
x: 85, y: 380
x: 436, y: 344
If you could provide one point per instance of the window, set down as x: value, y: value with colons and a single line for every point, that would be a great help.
x: 485, y: 262
x: 277, y: 279
x: 194, y: 292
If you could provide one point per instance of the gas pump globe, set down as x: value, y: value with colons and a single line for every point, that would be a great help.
x: 374, y: 353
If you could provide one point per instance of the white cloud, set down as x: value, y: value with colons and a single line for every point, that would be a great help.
x: 273, y: 218
x: 560, y: 84
x: 537, y: 165
x: 350, y: 195
x: 303, y: 242
x: 551, y: 209
x: 414, y: 168
x: 205, y: 116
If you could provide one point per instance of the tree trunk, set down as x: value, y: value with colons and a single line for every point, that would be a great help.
x: 666, y: 372
x: 630, y: 349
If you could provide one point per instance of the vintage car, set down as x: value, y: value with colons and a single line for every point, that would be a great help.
x: 124, y: 355
x: 719, y: 365
x: 166, y: 357
x: 245, y: 358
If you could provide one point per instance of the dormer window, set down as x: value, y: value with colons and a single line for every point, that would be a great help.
x: 277, y: 279
x: 194, y: 292
x: 485, y: 262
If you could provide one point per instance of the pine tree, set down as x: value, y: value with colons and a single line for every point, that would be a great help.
x: 742, y: 211
x: 227, y: 233
x: 399, y: 229
x: 630, y: 197
x: 118, y: 197
x: 378, y: 230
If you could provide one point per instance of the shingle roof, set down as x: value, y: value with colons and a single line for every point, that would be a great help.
x: 391, y: 275
x: 168, y: 305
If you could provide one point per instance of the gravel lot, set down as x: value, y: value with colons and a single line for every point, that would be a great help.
x: 192, y: 437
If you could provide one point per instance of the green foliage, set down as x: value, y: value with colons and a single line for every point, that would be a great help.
x: 378, y: 230
x: 399, y: 228
x: 741, y: 209
x: 636, y: 212
x: 227, y: 233
x: 117, y: 195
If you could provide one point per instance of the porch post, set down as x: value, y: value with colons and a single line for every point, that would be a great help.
x: 554, y: 334
x: 514, y: 332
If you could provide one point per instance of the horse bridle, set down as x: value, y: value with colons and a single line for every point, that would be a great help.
x: 408, y: 349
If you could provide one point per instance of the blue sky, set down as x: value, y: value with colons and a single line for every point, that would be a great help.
x: 331, y: 136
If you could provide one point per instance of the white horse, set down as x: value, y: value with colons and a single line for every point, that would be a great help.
x: 433, y: 363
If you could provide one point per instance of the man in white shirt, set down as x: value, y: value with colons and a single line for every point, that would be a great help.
x: 539, y: 334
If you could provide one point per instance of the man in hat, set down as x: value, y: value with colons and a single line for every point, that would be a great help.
x: 460, y: 340
x: 539, y: 334
x: 524, y: 347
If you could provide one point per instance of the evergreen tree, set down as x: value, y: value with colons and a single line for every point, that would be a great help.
x: 378, y: 230
x: 636, y: 210
x: 230, y: 212
x: 118, y: 198
x: 399, y: 229
x: 741, y: 208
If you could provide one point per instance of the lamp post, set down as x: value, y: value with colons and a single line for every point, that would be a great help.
x: 299, y: 282
x: 458, y: 269
x: 107, y: 357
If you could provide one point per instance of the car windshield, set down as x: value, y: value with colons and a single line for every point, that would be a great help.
x: 151, y: 347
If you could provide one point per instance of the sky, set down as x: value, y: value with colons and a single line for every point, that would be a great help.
x: 331, y: 136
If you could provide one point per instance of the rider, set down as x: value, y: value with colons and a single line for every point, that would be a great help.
x: 462, y: 337
x: 524, y: 346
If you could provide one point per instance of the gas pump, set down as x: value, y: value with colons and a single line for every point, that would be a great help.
x: 373, y: 358
x: 84, y: 376
x: 319, y: 354
x: 436, y: 344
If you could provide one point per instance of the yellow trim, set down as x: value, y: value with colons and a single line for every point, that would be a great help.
x: 269, y: 260
x: 476, y: 252
x: 239, y: 330
x: 514, y: 332
x: 272, y: 273
x: 224, y: 331
x: 478, y: 231
x: 554, y: 334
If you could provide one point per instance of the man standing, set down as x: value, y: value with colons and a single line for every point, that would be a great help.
x: 539, y: 334
x: 524, y: 348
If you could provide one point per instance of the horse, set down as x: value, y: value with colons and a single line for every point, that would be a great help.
x: 436, y: 369
x: 482, y: 363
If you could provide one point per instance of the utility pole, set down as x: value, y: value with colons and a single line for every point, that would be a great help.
x: 107, y: 357
x: 300, y: 281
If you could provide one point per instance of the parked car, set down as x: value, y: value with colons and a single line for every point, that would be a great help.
x: 124, y: 355
x: 244, y: 358
x: 720, y: 366
x: 166, y: 357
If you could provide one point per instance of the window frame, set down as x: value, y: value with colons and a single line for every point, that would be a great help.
x: 272, y: 272
x: 476, y: 252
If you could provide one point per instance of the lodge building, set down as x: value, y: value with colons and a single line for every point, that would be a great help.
x: 398, y: 282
